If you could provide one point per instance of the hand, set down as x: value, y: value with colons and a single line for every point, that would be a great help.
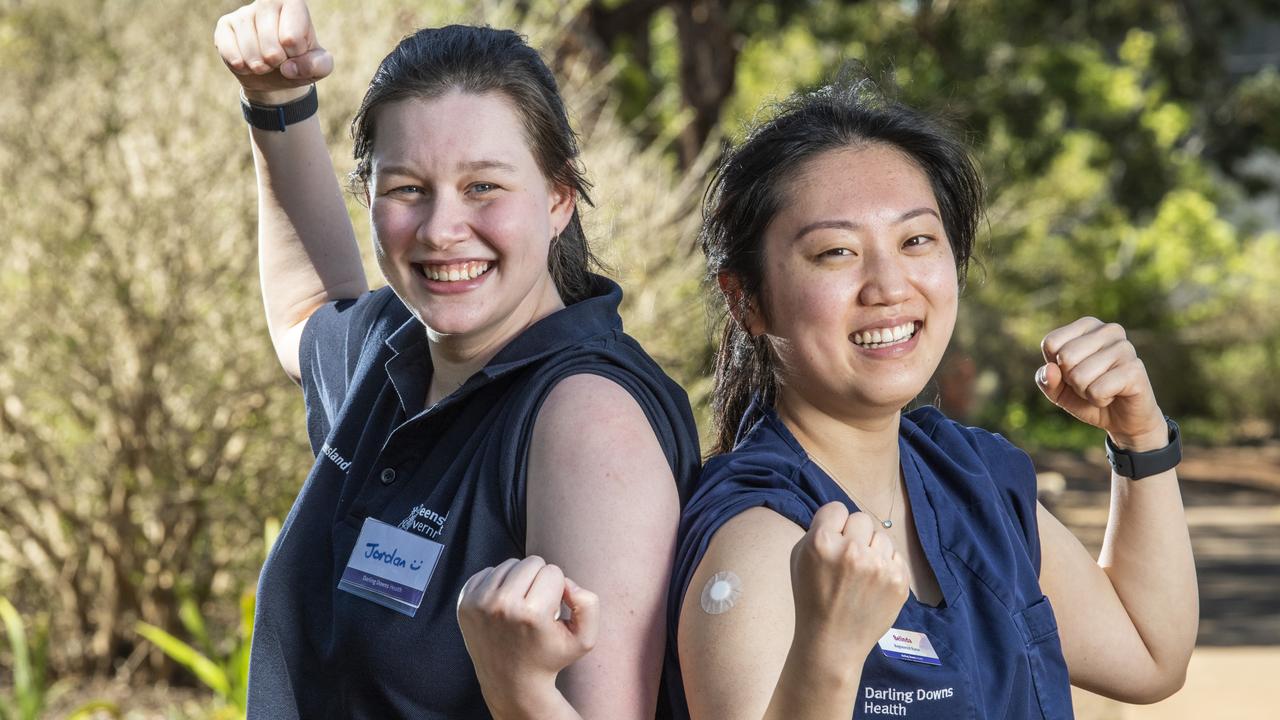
x: 1093, y: 372
x: 849, y: 583
x: 510, y: 620
x: 271, y: 47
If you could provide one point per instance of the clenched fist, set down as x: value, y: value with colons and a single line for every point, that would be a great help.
x: 1092, y: 371
x: 510, y: 620
x: 848, y: 581
x: 271, y: 47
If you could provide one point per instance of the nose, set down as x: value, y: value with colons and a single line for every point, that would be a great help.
x: 886, y: 280
x: 443, y: 223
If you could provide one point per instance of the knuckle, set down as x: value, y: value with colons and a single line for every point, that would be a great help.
x: 820, y: 543
x: 508, y: 609
x: 851, y: 555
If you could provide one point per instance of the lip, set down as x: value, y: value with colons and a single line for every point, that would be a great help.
x: 893, y: 351
x: 441, y: 287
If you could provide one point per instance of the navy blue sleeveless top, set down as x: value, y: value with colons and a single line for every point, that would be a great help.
x: 453, y: 473
x: 973, y: 498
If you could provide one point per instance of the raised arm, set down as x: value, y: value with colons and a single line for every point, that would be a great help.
x: 1128, y: 621
x: 306, y: 247
x: 791, y: 642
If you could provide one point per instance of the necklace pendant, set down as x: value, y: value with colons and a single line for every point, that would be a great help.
x: 887, y: 524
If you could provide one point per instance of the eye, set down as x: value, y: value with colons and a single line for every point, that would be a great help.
x: 918, y: 240
x: 837, y: 252
x: 406, y: 190
x: 482, y: 188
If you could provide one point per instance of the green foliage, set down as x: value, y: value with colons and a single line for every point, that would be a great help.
x: 31, y: 690
x: 227, y: 674
x: 1093, y: 126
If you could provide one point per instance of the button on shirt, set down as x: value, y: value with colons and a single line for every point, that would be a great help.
x: 453, y: 473
x: 973, y: 499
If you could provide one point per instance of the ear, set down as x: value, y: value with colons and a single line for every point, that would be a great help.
x: 563, y: 201
x: 742, y: 308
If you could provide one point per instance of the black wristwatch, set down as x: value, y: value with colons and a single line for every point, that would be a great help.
x: 278, y: 117
x: 1138, y: 465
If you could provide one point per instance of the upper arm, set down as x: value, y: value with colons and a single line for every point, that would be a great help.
x: 286, y: 336
x: 730, y: 662
x: 1104, y: 652
x: 602, y: 504
x: 288, y: 347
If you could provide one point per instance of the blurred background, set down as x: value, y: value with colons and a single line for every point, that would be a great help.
x: 149, y: 444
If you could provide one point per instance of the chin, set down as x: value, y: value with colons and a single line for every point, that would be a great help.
x: 448, y: 325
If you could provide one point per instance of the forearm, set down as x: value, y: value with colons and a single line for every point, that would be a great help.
x: 307, y: 249
x: 817, y: 682
x: 1147, y: 556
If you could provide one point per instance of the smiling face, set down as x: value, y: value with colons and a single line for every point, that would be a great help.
x: 860, y: 286
x: 463, y: 217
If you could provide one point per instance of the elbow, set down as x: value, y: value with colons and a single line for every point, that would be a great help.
x: 1162, y: 685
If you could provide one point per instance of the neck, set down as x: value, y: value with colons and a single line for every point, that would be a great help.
x: 454, y: 358
x: 860, y: 451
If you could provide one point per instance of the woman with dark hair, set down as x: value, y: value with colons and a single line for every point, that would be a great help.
x: 481, y: 412
x: 843, y: 558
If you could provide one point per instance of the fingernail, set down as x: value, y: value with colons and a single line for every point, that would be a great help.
x: 1042, y: 375
x: 289, y: 69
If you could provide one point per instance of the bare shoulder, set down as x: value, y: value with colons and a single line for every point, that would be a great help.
x: 591, y: 423
x: 734, y: 641
x: 592, y: 437
x: 602, y: 504
x: 588, y: 400
x: 755, y: 547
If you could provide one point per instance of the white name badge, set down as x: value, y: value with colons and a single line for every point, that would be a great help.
x: 908, y: 645
x: 390, y: 566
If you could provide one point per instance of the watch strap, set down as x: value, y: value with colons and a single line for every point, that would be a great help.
x: 1138, y: 465
x: 277, y: 117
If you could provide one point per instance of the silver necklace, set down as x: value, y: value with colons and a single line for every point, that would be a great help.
x: 893, y: 499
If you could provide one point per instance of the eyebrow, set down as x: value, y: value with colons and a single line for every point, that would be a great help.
x: 474, y: 165
x: 489, y: 165
x: 854, y: 226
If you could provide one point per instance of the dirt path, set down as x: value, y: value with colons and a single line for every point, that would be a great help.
x: 1232, y: 498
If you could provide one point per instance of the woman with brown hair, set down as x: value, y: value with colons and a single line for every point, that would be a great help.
x: 482, y: 412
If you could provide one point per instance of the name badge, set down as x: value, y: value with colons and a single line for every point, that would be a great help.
x: 908, y: 645
x: 390, y: 566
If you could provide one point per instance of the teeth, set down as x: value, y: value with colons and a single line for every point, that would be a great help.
x: 885, y: 337
x: 456, y: 272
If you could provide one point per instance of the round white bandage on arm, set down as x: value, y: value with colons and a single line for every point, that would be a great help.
x: 721, y: 593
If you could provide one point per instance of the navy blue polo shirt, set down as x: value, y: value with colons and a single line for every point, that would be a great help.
x: 453, y: 473
x: 973, y: 499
